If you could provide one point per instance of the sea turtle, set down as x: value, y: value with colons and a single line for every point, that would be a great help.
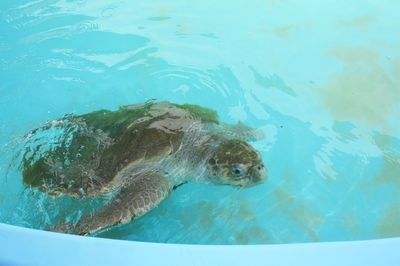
x: 138, y: 153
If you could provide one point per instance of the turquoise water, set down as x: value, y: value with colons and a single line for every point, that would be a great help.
x: 320, y: 78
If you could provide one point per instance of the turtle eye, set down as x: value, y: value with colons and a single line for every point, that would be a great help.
x: 238, y: 170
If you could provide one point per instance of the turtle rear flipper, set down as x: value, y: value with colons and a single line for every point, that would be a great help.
x: 133, y: 200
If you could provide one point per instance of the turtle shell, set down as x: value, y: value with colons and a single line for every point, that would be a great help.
x: 81, y: 155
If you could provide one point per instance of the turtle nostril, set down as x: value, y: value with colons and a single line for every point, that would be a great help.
x: 260, y: 166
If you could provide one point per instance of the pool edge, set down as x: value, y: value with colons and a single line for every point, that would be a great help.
x: 24, y: 246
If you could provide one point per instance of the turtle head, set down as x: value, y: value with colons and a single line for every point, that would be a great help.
x: 236, y: 163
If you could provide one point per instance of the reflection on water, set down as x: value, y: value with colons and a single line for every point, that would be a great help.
x: 323, y: 86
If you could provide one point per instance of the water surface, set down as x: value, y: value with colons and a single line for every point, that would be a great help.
x: 320, y: 78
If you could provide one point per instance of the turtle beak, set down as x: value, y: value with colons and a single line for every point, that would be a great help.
x: 258, y: 175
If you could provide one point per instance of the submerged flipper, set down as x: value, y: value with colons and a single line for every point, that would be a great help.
x: 133, y: 200
x: 238, y: 131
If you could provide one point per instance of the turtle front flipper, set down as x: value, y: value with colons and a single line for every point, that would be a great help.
x: 133, y: 200
x: 237, y: 131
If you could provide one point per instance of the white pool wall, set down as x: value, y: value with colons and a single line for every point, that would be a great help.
x: 23, y: 246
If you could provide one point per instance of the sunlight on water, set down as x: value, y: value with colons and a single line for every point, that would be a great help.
x: 319, y: 78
